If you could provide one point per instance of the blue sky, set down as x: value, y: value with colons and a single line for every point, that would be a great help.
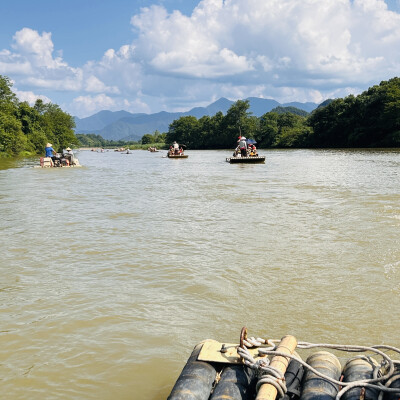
x: 172, y: 55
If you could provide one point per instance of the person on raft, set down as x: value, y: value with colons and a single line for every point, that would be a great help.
x: 50, y: 152
x: 69, y: 155
x: 243, y: 146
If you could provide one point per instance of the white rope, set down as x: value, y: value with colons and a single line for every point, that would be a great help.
x: 265, y: 372
x: 274, y: 377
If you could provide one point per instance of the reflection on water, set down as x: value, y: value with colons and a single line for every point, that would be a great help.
x: 111, y: 273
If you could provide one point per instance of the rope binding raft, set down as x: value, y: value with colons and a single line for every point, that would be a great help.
x: 277, y: 370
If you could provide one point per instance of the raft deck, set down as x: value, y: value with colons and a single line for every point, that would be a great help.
x: 246, y: 160
x: 177, y: 156
x: 266, y: 369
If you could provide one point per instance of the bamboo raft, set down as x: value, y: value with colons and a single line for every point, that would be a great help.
x: 268, y: 369
x: 177, y: 156
x: 47, y: 162
x: 246, y: 160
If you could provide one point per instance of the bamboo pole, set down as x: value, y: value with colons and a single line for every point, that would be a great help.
x: 287, y: 345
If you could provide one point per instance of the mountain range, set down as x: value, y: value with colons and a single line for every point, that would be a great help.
x: 123, y: 125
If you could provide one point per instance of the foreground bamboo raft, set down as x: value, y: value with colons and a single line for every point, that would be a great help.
x: 268, y: 369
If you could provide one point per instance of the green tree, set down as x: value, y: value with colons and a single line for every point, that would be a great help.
x: 32, y: 127
x: 370, y: 119
x: 236, y: 123
x: 268, y: 129
x: 6, y: 94
x: 12, y: 139
x: 61, y: 125
x: 147, y: 139
x: 183, y: 131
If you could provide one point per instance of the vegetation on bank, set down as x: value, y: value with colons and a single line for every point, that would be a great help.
x: 371, y: 119
x: 95, y: 141
x: 26, y: 130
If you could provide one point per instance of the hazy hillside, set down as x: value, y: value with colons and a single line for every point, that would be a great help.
x: 99, y: 120
x: 128, y: 126
x: 290, y: 109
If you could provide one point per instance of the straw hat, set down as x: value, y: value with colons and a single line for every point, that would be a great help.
x: 68, y: 149
x: 49, y: 145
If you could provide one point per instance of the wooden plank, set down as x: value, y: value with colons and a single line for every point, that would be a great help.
x: 211, y: 352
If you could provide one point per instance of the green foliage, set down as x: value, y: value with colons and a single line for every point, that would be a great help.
x: 371, y: 119
x: 157, y: 137
x: 93, y: 140
x: 183, y: 130
x: 268, y: 129
x: 12, y: 139
x: 283, y: 130
x: 6, y: 94
x: 292, y: 110
x: 27, y: 129
x: 217, y: 132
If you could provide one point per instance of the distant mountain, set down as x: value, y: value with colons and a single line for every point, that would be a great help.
x: 222, y: 105
x: 325, y: 103
x: 260, y: 106
x: 99, y: 120
x: 134, y: 127
x: 128, y: 126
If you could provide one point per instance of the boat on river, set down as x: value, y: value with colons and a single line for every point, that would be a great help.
x: 177, y: 155
x: 261, y: 369
x: 245, y: 153
x: 177, y: 151
x: 60, y: 161
x: 246, y: 160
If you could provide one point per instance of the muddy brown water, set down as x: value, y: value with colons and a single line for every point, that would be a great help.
x: 110, y: 274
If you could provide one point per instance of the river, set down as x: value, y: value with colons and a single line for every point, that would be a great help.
x: 110, y: 274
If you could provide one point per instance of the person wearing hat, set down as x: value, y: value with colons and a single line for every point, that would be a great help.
x: 243, y: 146
x: 69, y: 155
x: 49, y: 150
x: 176, y: 148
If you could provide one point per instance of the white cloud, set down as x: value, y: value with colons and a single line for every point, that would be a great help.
x: 298, y: 40
x: 33, y: 64
x: 30, y: 97
x: 37, y: 48
x: 83, y: 106
x: 91, y: 104
x: 13, y: 63
x: 95, y: 85
x: 290, y: 50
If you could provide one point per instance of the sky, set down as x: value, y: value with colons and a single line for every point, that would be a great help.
x: 173, y: 55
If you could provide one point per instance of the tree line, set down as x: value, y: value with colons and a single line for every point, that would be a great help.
x: 26, y: 130
x: 93, y: 140
x: 371, y: 119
